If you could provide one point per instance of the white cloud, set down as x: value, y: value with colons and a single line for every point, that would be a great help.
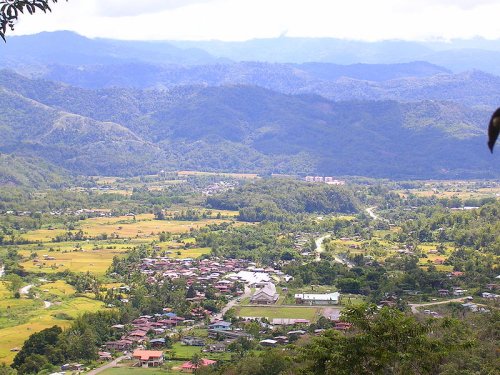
x: 246, y: 19
x: 120, y: 8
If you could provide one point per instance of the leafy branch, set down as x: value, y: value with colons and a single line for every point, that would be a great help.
x: 11, y: 9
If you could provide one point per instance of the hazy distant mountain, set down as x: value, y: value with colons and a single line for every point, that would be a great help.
x: 68, y: 48
x: 287, y: 78
x: 458, y: 55
x: 401, y: 82
x: 239, y: 128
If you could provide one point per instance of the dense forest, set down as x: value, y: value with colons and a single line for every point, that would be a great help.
x: 125, y: 131
x: 282, y: 199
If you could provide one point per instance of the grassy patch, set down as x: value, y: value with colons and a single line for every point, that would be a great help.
x: 272, y: 312
x: 190, y: 253
x: 143, y: 371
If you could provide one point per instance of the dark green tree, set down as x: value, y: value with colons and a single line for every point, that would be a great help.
x: 39, y: 343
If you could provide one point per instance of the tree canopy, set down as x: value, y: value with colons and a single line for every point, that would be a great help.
x: 11, y: 9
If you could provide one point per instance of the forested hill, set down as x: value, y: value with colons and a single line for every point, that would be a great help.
x: 239, y: 128
x: 279, y: 199
x: 37, y: 173
x: 32, y: 52
x: 401, y: 82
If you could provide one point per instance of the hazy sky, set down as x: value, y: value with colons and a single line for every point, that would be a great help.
x: 247, y: 19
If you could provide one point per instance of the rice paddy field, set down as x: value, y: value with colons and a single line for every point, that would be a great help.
x: 127, y: 370
x: 143, y: 226
x: 124, y: 233
x: 24, y: 317
x: 454, y: 189
x: 55, y: 303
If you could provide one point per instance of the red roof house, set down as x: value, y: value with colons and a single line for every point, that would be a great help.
x: 189, y: 367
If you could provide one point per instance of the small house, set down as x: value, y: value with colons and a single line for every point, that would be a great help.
x: 220, y: 326
x: 268, y: 343
x: 193, y: 341
x: 318, y: 299
x: 148, y: 358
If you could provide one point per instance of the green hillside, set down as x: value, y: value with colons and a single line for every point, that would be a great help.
x: 18, y: 171
x: 239, y: 128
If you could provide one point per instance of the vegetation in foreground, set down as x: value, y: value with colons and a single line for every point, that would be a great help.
x: 420, y: 247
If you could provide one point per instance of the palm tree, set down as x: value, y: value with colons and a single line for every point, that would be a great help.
x: 196, y: 360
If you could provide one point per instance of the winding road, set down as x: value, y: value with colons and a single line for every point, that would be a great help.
x: 231, y: 303
x: 373, y: 215
x: 320, y: 248
x: 25, y: 289
x: 414, y: 306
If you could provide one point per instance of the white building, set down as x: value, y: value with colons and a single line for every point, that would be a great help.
x: 318, y: 299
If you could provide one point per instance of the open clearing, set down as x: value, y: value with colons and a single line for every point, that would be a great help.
x: 272, y: 312
x: 233, y: 175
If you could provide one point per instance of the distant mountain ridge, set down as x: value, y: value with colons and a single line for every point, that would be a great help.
x: 402, y: 82
x: 105, y: 107
x: 68, y: 48
x: 239, y: 128
x: 457, y: 55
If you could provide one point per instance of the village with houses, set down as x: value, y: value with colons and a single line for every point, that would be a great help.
x: 147, y: 341
x: 185, y: 288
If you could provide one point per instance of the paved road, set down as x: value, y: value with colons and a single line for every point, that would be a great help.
x: 106, y: 366
x: 25, y: 289
x: 415, y: 306
x: 319, y: 246
x: 231, y: 303
x: 373, y: 215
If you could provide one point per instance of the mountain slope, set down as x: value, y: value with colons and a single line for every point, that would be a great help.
x: 68, y: 48
x: 407, y: 82
x: 280, y: 77
x: 78, y: 143
x: 240, y: 128
x: 30, y: 172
